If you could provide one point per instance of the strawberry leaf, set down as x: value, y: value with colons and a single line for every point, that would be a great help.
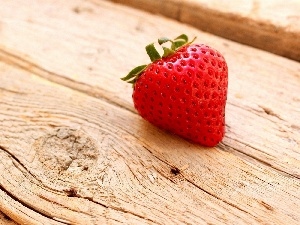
x: 134, y: 73
x: 163, y: 40
x: 178, y: 43
x: 152, y: 52
x: 167, y: 52
x: 182, y: 36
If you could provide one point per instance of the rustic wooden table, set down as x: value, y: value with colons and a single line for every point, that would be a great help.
x: 74, y: 151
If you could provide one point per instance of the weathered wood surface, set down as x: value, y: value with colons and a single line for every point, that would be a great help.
x: 272, y: 25
x: 73, y: 149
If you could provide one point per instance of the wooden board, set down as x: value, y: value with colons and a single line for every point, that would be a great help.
x: 272, y: 25
x: 73, y: 149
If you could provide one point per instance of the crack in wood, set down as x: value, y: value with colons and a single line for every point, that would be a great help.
x: 13, y: 91
x: 216, y: 197
x: 22, y: 169
x: 57, y: 203
x: 135, y: 214
x: 18, y: 164
x: 124, y: 211
x: 270, y: 112
x: 264, y: 111
x: 225, y: 147
x: 15, y: 198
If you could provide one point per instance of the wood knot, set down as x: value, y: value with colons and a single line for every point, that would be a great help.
x: 66, y: 151
x: 175, y: 171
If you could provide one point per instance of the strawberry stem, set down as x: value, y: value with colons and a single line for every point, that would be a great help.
x: 167, y: 51
x: 153, y: 54
x: 178, y: 42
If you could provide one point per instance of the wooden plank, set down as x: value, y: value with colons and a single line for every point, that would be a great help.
x: 72, y: 158
x: 124, y: 169
x: 271, y: 25
x: 262, y: 112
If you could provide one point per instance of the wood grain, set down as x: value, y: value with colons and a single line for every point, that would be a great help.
x: 74, y: 150
x: 5, y: 220
x: 271, y: 25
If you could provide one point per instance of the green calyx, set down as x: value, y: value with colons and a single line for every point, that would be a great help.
x: 154, y: 55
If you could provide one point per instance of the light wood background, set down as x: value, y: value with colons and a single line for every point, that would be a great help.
x: 272, y: 25
x: 74, y: 151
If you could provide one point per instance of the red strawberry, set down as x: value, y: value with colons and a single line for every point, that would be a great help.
x: 184, y: 91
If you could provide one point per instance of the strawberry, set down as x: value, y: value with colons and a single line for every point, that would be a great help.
x: 184, y: 91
